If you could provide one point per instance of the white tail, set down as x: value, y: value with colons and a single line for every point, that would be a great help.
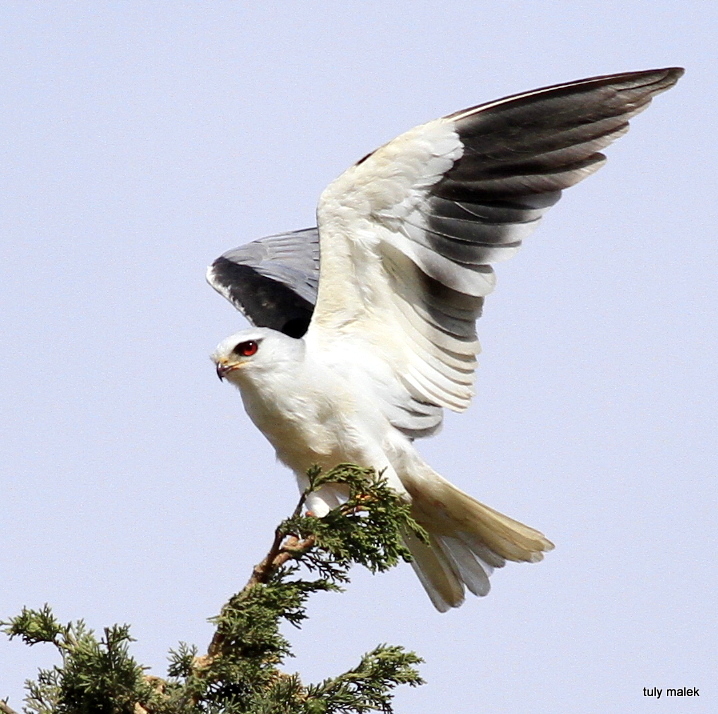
x: 467, y: 539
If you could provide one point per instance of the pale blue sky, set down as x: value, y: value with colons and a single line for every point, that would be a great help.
x: 140, y: 140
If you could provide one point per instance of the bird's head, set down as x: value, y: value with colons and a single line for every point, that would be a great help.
x: 252, y: 352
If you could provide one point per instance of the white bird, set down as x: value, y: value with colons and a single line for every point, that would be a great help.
x: 405, y: 239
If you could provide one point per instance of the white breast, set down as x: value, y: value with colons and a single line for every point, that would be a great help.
x: 309, y: 418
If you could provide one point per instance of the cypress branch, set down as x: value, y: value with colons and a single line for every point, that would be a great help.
x: 240, y: 671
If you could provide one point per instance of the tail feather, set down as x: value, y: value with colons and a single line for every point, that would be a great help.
x: 435, y: 573
x: 503, y: 536
x: 481, y: 551
x: 467, y: 539
x: 473, y: 572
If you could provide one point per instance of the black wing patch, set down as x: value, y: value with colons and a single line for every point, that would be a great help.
x: 272, y: 281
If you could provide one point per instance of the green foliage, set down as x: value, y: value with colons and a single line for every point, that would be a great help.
x: 365, y: 530
x: 96, y: 676
x: 368, y: 687
x: 240, y: 673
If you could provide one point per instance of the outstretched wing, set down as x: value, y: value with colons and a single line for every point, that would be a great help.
x: 408, y: 233
x: 272, y: 281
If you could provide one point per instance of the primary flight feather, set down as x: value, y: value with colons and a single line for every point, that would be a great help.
x: 365, y: 327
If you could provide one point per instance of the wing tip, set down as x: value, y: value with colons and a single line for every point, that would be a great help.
x: 660, y: 80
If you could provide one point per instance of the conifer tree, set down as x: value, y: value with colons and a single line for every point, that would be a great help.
x: 240, y: 673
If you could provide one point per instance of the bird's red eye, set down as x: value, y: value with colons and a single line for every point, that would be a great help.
x: 246, y: 349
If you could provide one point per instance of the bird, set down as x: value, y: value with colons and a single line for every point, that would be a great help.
x: 364, y: 326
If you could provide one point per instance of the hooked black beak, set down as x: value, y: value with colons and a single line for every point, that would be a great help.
x: 222, y: 371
